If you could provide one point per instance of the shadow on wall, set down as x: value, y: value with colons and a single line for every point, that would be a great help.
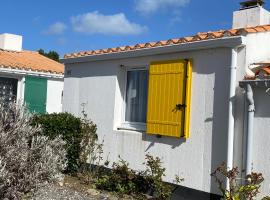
x: 214, y: 64
x: 153, y: 139
x: 262, y: 97
x: 219, y: 120
x: 184, y: 193
x: 83, y: 71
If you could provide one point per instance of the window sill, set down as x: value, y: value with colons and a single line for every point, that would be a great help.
x: 140, y: 127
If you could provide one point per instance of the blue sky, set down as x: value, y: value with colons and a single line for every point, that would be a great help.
x: 75, y: 25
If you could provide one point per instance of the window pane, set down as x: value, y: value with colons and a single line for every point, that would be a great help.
x: 136, y: 96
x: 8, y: 89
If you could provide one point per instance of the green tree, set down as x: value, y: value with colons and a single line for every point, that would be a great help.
x: 51, y: 54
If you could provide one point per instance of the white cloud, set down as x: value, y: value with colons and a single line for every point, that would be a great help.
x: 151, y: 6
x: 95, y: 22
x: 56, y: 29
x: 61, y: 41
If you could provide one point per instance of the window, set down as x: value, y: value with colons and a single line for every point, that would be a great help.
x: 136, y: 96
x: 8, y: 89
x: 157, y: 100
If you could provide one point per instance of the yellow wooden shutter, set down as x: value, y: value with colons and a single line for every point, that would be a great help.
x: 169, y: 98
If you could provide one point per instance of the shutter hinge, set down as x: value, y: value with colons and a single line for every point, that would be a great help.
x: 180, y: 106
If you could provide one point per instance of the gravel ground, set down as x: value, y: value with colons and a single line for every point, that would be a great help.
x: 54, y: 192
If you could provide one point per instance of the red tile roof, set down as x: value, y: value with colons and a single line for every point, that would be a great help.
x: 197, y: 37
x: 29, y: 60
x: 260, y: 73
x: 265, y: 70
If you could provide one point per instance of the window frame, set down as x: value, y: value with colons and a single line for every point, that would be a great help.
x: 20, y: 86
x: 127, y: 125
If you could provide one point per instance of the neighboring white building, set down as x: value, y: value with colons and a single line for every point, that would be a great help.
x: 206, y: 120
x: 28, y: 77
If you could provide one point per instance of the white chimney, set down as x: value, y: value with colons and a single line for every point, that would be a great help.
x: 10, y: 42
x: 251, y: 14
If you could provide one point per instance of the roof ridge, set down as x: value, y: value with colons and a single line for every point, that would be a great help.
x: 15, y: 51
x: 200, y: 36
x: 7, y: 50
x: 29, y: 51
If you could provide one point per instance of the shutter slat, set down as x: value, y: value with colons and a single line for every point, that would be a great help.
x: 35, y: 94
x: 167, y: 88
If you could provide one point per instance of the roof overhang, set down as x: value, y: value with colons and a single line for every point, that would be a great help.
x: 261, y: 63
x: 262, y: 83
x: 30, y: 73
x: 225, y: 42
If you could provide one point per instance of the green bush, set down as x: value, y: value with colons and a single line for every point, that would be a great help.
x: 123, y: 180
x: 73, y: 131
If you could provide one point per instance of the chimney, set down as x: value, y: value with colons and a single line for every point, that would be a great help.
x: 10, y: 42
x: 251, y: 14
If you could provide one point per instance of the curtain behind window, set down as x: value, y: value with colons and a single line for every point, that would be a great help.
x: 136, y: 96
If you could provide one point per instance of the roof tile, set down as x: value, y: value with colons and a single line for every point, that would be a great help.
x: 265, y: 70
x: 197, y: 37
x: 267, y: 27
x: 251, y: 30
x: 30, y: 60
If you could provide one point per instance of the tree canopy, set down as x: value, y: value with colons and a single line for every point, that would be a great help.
x: 51, y: 54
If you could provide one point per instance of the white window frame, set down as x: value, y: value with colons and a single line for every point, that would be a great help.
x: 126, y: 125
x: 20, y: 86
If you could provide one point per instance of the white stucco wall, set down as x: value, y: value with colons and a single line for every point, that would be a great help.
x: 258, y: 50
x: 261, y: 150
x: 54, y: 95
x: 250, y: 17
x: 99, y: 85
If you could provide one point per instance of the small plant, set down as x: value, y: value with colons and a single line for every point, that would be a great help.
x: 91, y: 150
x: 237, y: 191
x: 123, y: 180
x: 27, y: 160
x: 154, y: 175
x: 120, y: 179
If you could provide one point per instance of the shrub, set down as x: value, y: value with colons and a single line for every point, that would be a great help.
x: 154, y: 174
x: 79, y: 135
x: 27, y: 160
x: 91, y: 150
x: 123, y: 180
x: 237, y: 191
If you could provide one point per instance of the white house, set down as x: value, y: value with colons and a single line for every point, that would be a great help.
x: 28, y: 77
x: 180, y: 99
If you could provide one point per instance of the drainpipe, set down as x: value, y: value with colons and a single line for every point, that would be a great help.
x: 250, y: 121
x: 230, y: 111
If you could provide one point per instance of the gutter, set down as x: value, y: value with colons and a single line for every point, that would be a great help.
x: 248, y: 85
x: 32, y: 73
x: 230, y: 145
x: 250, y: 132
x: 227, y: 42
